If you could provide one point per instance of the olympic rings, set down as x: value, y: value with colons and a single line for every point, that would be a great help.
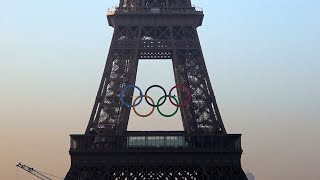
x: 134, y: 108
x: 189, y: 95
x: 160, y: 102
x: 174, y: 113
x: 165, y: 95
x: 122, y: 96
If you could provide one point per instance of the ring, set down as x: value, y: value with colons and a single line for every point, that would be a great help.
x: 146, y: 97
x: 161, y: 101
x: 188, y: 91
x: 124, y: 91
x: 174, y: 113
x: 134, y: 108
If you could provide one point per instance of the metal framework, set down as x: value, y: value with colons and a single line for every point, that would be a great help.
x: 155, y: 29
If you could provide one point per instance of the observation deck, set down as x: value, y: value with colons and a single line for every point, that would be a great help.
x: 157, y: 12
x: 151, y: 154
x: 154, y: 10
x: 156, y: 141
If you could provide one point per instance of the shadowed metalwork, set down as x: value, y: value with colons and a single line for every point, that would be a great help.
x: 155, y: 29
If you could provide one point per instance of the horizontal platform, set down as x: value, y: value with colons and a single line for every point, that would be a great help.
x: 155, y: 17
x: 155, y: 10
x: 156, y: 141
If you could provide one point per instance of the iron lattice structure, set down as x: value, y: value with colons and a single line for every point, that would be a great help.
x: 155, y: 29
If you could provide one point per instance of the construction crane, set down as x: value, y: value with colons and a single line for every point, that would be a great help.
x: 39, y: 174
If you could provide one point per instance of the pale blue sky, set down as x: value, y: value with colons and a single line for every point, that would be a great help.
x: 263, y: 57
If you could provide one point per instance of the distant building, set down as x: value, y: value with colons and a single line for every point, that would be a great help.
x: 250, y: 176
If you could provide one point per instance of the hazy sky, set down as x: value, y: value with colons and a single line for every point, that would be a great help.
x: 263, y: 57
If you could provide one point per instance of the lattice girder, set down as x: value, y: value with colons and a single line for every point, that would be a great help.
x: 155, y: 29
x: 157, y: 170
x: 155, y: 4
x: 132, y: 43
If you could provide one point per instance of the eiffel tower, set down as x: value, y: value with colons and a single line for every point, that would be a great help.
x: 155, y: 29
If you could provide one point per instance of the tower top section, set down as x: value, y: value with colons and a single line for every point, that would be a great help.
x: 155, y: 7
x: 155, y: 13
x: 155, y: 4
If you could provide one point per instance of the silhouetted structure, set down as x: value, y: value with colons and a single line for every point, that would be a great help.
x: 155, y: 29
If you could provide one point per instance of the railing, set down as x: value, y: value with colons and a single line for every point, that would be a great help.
x: 139, y: 10
x: 156, y: 141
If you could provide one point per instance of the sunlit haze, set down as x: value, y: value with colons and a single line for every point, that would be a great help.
x: 263, y: 58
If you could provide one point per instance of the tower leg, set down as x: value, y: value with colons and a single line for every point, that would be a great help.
x: 202, y: 115
x: 109, y: 114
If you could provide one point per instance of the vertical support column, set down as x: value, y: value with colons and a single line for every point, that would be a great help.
x: 92, y: 125
x: 109, y: 114
x: 219, y: 122
x: 132, y: 73
x: 181, y: 79
x: 202, y: 115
